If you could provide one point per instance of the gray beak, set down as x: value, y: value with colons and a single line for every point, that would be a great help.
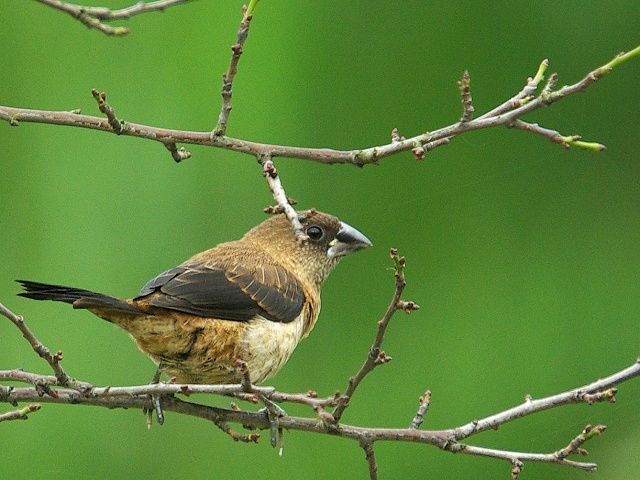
x: 348, y: 240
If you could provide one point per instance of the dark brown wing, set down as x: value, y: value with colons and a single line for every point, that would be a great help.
x: 229, y: 294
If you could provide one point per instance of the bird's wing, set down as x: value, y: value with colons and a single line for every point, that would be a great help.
x: 235, y: 293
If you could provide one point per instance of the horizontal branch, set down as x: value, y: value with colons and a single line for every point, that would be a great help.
x: 505, y: 115
x: 139, y: 397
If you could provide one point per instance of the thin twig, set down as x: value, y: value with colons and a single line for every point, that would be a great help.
x: 516, y: 468
x: 518, y: 458
x: 464, y: 85
x: 93, y: 17
x: 575, y: 445
x: 556, y: 137
x: 425, y: 400
x: 52, y: 359
x: 310, y: 398
x: 227, y: 79
x: 370, y: 455
x: 118, y: 126
x: 243, y: 369
x: 178, y: 154
x: 237, y: 437
x: 523, y: 457
x: 22, y: 414
x: 279, y: 195
x: 523, y: 96
x: 599, y: 390
x: 376, y: 356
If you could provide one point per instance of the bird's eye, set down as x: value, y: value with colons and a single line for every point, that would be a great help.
x: 315, y: 232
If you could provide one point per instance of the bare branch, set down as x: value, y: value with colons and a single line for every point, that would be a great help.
x: 93, y: 17
x: 519, y: 458
x: 22, y: 414
x: 575, y: 446
x: 101, y: 97
x: 425, y: 400
x: 523, y: 96
x: 178, y: 154
x: 516, y: 469
x: 52, y: 359
x: 556, y: 137
x: 449, y: 440
x: 235, y: 436
x: 370, y: 455
x: 505, y: 115
x: 283, y: 202
x: 443, y: 439
x: 600, y: 390
x: 376, y: 356
x: 465, y: 93
x: 227, y: 78
x: 559, y: 456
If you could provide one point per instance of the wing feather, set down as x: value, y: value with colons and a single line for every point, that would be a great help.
x: 236, y: 293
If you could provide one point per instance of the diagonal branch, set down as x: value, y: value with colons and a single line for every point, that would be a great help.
x: 376, y: 355
x: 283, y: 202
x: 52, y: 359
x: 599, y: 391
x: 227, y: 78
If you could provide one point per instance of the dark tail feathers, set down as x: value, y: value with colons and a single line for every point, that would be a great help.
x: 75, y: 296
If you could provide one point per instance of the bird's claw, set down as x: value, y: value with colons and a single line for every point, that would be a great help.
x: 156, y: 398
x: 274, y: 413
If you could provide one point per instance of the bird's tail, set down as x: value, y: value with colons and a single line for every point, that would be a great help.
x: 75, y: 296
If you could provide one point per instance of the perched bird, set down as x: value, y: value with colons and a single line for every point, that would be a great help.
x: 251, y: 299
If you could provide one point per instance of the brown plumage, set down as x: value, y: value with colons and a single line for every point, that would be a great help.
x: 252, y: 299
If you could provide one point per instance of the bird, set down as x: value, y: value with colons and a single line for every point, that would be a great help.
x: 240, y: 307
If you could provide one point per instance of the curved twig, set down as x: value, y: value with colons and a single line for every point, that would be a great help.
x: 94, y: 17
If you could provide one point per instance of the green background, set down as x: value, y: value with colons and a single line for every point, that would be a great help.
x: 523, y: 256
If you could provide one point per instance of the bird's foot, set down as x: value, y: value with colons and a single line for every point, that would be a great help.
x: 157, y: 406
x: 156, y: 399
x: 274, y: 413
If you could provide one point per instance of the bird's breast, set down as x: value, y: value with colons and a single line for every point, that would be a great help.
x: 266, y: 346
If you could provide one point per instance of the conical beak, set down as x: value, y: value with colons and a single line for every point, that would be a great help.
x: 348, y: 240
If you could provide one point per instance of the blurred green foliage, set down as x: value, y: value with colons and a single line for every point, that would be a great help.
x: 523, y: 256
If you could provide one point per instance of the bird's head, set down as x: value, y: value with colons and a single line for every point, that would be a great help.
x: 328, y: 241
